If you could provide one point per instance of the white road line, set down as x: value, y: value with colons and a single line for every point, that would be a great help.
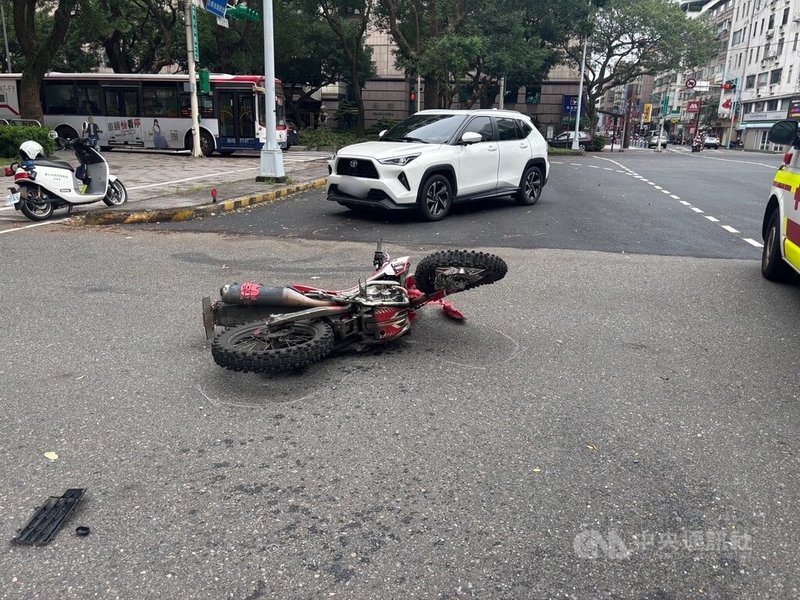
x: 149, y: 185
x: 607, y: 169
x: 752, y: 242
x: 33, y: 225
x: 685, y: 203
x: 730, y: 229
x: 593, y: 167
x: 576, y: 164
x: 697, y: 210
x: 651, y: 183
x: 666, y: 191
x: 712, y: 219
x: 674, y: 196
x: 658, y: 187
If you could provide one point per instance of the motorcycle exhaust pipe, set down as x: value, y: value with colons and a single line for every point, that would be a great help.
x: 257, y: 295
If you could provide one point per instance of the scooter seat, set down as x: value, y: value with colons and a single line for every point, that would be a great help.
x: 58, y: 164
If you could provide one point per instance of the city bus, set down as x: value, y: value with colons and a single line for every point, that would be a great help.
x: 152, y: 111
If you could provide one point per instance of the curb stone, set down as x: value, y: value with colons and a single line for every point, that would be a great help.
x: 185, y: 213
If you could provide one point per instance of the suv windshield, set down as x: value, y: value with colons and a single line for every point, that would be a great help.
x: 430, y: 129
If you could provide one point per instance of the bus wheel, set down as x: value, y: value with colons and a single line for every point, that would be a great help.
x: 206, y: 143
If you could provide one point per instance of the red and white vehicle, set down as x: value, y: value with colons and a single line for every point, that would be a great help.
x: 131, y: 110
x: 284, y: 328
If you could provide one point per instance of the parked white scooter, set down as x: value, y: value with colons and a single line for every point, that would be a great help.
x: 44, y: 185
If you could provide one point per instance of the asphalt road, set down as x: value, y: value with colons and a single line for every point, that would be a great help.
x: 604, y: 425
x: 636, y: 201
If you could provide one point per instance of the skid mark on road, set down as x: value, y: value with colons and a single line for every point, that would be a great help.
x: 697, y: 210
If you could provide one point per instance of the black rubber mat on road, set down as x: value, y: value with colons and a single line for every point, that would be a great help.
x: 44, y: 525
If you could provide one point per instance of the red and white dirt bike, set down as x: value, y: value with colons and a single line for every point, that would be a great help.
x: 284, y: 328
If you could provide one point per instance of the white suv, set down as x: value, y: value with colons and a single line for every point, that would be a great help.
x: 437, y: 157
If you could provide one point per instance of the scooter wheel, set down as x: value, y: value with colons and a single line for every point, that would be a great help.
x: 36, y: 211
x: 116, y: 195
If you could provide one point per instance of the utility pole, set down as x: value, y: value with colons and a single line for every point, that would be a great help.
x: 271, y: 155
x: 575, y: 141
x: 189, y: 13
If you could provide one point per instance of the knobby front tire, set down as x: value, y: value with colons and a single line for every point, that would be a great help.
x: 458, y: 270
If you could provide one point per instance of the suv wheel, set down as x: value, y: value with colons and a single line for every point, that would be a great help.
x: 530, y: 187
x: 435, y: 198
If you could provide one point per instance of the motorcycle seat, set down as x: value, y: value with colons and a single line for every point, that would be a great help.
x: 58, y: 164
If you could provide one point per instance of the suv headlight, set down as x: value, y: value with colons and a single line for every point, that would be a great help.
x: 400, y: 161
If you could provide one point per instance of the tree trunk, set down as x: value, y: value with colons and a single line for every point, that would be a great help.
x: 37, y: 53
x: 431, y: 96
x: 361, y: 121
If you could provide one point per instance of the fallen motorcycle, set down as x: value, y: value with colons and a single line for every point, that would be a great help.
x: 268, y: 329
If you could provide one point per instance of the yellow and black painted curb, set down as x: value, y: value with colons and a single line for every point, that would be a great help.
x: 112, y: 217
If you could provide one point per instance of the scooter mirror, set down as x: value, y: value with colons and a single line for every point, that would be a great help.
x: 52, y: 134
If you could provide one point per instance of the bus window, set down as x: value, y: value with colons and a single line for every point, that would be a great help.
x: 132, y: 103
x: 89, y: 99
x: 160, y: 100
x: 247, y: 125
x: 205, y: 106
x: 60, y: 98
x: 280, y: 111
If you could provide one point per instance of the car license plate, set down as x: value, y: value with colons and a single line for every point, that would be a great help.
x: 12, y: 199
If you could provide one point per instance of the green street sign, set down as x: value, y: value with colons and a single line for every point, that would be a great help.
x: 195, y: 37
x: 664, y: 104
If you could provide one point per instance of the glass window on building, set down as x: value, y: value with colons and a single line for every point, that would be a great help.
x: 785, y: 18
x: 775, y: 76
x: 779, y: 51
x: 772, y: 105
x: 762, y: 79
x: 750, y: 82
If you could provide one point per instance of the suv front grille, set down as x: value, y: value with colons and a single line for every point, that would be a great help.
x: 360, y: 167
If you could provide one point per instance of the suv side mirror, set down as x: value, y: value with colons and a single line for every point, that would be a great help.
x: 471, y: 137
x: 784, y: 133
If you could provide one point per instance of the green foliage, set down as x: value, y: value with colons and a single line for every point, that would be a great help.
x: 324, y: 137
x: 11, y: 136
x: 374, y: 129
x: 631, y: 38
x: 598, y: 143
x: 346, y: 115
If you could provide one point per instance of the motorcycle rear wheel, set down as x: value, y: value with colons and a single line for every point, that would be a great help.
x: 253, y: 347
x: 458, y: 270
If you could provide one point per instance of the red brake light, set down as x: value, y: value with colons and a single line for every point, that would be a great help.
x: 787, y: 158
x: 20, y: 175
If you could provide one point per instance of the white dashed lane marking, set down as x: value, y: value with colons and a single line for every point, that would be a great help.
x: 695, y: 209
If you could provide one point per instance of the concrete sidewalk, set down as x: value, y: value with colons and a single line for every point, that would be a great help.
x: 171, y: 187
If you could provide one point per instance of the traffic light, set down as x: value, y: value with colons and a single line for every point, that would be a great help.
x: 242, y: 11
x: 729, y: 85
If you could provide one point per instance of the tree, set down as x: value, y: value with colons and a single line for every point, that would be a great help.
x: 39, y: 40
x: 478, y: 42
x: 136, y: 36
x: 349, y: 20
x: 631, y: 38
